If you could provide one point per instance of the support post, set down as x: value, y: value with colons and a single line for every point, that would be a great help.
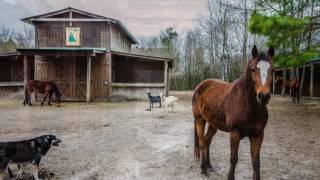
x: 109, y: 60
x: 88, y: 78
x: 166, y: 77
x: 25, y: 70
x: 273, y: 82
x: 311, y: 79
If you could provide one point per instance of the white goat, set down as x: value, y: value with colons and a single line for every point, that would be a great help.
x: 167, y: 102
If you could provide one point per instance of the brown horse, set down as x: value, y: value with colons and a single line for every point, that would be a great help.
x: 43, y: 87
x: 238, y: 108
x: 285, y: 85
x: 293, y: 85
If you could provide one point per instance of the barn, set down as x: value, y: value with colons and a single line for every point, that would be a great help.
x: 311, y: 84
x: 90, y: 58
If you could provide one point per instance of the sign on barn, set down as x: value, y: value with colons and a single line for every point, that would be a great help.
x: 72, y: 36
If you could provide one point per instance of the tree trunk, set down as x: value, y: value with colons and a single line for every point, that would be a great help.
x: 245, y: 35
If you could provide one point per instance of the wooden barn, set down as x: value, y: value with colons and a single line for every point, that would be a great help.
x: 89, y: 57
x: 311, y: 85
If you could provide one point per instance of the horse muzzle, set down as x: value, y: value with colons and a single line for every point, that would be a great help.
x: 263, y: 98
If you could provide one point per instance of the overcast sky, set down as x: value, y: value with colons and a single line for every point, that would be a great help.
x: 142, y: 17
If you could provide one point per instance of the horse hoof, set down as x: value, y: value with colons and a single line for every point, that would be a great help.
x: 210, y: 169
x: 205, y: 175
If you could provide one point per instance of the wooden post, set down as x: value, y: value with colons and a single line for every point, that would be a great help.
x: 297, y: 73
x: 166, y: 77
x: 25, y: 70
x: 109, y: 59
x: 88, y: 77
x: 311, y: 79
x: 273, y: 82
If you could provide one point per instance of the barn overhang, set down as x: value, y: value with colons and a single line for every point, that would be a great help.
x: 143, y: 57
x: 67, y: 51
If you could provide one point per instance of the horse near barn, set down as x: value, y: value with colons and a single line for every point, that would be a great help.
x: 293, y: 85
x: 48, y: 88
x: 238, y: 108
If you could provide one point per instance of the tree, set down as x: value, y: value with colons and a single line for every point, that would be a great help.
x: 288, y: 25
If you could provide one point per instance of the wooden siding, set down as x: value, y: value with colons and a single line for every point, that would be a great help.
x: 70, y: 75
x: 119, y: 42
x: 52, y: 34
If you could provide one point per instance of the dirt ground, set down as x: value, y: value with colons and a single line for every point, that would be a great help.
x: 125, y: 141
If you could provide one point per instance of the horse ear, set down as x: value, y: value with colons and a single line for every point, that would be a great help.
x: 271, y: 51
x: 254, y: 51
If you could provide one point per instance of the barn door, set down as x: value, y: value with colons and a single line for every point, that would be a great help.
x: 80, y: 78
x: 64, y: 77
x: 71, y: 77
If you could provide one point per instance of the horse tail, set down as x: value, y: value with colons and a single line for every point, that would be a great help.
x: 196, y: 144
x: 56, y: 89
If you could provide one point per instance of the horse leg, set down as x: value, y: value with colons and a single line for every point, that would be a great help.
x: 298, y: 95
x: 50, y: 99
x: 208, y: 139
x: 234, y: 145
x: 10, y: 172
x: 255, y: 145
x: 29, y: 98
x: 44, y: 98
x: 200, y: 144
x: 293, y: 96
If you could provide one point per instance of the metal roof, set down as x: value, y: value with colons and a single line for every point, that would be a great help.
x: 83, y: 49
x: 31, y: 19
x: 9, y: 54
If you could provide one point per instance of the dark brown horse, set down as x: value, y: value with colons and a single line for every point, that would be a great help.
x: 285, y: 85
x: 293, y: 85
x: 43, y: 87
x: 238, y: 108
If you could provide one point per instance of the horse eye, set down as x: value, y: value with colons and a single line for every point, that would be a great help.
x: 253, y: 69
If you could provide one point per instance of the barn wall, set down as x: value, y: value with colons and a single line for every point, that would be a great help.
x: 306, y: 83
x: 316, y: 80
x: 132, y: 93
x: 118, y: 40
x: 53, y: 34
x: 13, y: 92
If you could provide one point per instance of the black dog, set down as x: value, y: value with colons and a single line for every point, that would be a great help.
x: 30, y: 150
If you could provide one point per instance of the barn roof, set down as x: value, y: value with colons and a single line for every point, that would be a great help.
x: 91, y: 17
